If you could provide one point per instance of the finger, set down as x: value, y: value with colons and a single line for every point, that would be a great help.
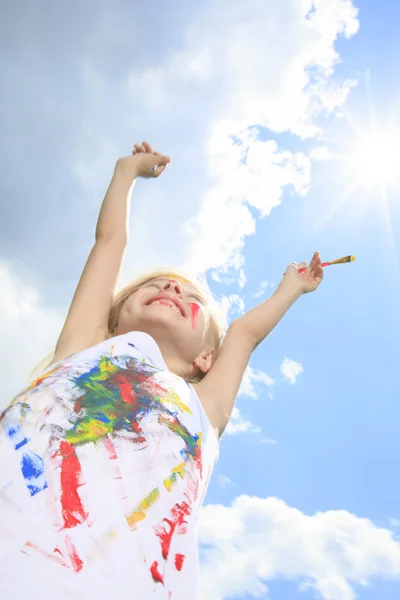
x: 158, y: 169
x: 160, y: 165
x: 159, y: 159
x: 138, y: 148
x: 302, y: 264
x: 147, y: 147
x: 315, y: 263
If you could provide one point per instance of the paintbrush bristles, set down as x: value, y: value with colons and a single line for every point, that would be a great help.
x: 344, y: 259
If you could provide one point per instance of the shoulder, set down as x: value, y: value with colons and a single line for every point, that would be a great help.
x: 75, y: 345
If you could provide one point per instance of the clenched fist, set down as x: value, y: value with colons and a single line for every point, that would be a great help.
x: 143, y: 162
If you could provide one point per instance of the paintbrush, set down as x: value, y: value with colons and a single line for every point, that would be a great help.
x: 338, y: 261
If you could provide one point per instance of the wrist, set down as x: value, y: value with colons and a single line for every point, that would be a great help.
x: 289, y: 291
x: 124, y: 171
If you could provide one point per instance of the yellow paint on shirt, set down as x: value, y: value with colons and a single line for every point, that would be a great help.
x: 178, y: 470
x: 139, y: 513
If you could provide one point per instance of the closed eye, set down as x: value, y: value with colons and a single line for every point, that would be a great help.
x: 201, y: 300
x: 153, y: 284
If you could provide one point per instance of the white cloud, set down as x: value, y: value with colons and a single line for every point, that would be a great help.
x: 263, y: 286
x: 259, y: 539
x: 237, y: 424
x: 223, y: 481
x: 29, y: 331
x: 290, y: 369
x: 220, y: 276
x: 266, y: 440
x: 230, y: 307
x: 253, y: 376
x: 266, y: 65
x: 249, y: 172
x: 320, y: 153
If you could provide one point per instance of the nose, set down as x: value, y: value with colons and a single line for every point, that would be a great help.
x: 173, y: 285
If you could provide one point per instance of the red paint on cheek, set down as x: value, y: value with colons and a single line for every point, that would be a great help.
x: 194, y: 310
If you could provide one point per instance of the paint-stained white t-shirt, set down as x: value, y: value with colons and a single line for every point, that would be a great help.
x: 104, y: 463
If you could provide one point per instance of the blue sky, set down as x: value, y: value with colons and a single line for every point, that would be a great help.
x: 305, y: 499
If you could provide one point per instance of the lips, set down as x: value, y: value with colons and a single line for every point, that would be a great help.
x: 168, y: 298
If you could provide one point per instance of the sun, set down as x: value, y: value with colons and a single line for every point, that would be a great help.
x: 373, y: 160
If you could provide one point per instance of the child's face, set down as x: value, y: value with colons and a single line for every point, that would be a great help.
x: 171, y: 310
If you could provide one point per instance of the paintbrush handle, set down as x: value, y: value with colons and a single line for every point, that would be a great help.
x: 325, y: 264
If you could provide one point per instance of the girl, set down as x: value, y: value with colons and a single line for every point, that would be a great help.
x: 106, y: 457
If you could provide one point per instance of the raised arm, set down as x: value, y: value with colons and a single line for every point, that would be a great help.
x: 87, y: 319
x: 219, y: 388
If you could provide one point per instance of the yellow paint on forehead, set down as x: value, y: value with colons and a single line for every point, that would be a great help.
x: 174, y: 276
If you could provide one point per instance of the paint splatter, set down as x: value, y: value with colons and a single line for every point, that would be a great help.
x: 109, y: 446
x: 177, y: 520
x: 116, y: 399
x: 57, y: 556
x: 32, y: 465
x: 77, y: 563
x: 112, y: 399
x: 179, y: 558
x: 58, y: 559
x: 140, y: 511
x: 192, y: 442
x: 156, y: 575
x: 179, y: 470
x: 73, y: 511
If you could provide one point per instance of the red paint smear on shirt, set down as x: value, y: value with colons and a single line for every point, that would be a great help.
x: 77, y: 563
x: 179, y: 558
x: 46, y: 554
x: 73, y: 511
x: 156, y: 575
x: 178, y: 514
x: 194, y: 309
x: 109, y: 446
x: 125, y: 389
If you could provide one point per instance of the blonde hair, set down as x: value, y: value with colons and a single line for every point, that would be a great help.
x: 214, y: 330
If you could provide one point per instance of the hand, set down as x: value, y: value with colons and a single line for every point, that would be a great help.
x: 309, y: 280
x: 142, y: 161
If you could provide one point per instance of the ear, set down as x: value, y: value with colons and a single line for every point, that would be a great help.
x: 204, y: 360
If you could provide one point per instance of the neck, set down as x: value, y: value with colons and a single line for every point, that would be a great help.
x: 175, y: 364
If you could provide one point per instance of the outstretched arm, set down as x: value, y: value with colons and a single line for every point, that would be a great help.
x: 261, y: 320
x: 219, y: 388
x: 87, y: 319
